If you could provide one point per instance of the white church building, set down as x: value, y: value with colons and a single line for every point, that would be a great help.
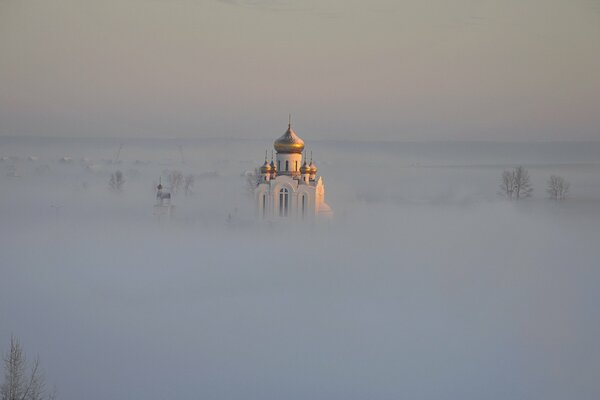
x: 289, y: 187
x: 163, y: 209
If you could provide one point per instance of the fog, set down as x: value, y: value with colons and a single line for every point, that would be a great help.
x: 425, y: 285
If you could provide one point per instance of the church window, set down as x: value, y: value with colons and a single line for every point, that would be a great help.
x: 264, y: 205
x: 283, y: 202
x: 303, y: 205
x: 296, y: 166
x: 287, y: 165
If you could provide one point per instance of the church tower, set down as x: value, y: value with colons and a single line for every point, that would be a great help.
x: 289, y: 149
x: 289, y: 187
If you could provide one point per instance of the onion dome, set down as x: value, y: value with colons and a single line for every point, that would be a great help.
x: 273, y: 166
x: 289, y: 142
x: 159, y: 187
x: 266, y: 168
x: 313, y: 168
x: 305, y: 169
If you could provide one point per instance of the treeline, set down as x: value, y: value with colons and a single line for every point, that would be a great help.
x: 516, y: 184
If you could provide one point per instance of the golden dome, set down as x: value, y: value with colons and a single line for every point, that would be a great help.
x: 266, y: 167
x: 289, y: 142
x: 304, y: 169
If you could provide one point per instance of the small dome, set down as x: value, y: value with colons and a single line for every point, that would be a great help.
x: 289, y: 142
x: 266, y: 167
x: 273, y: 166
x: 159, y: 187
x: 313, y: 167
x: 304, y: 169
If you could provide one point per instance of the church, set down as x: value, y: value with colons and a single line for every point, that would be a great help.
x: 163, y: 209
x: 289, y: 187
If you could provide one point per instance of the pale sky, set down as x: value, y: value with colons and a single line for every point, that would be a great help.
x: 378, y: 69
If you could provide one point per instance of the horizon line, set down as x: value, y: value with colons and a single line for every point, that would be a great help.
x: 332, y: 140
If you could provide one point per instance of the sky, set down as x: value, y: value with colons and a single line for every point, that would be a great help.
x: 345, y: 69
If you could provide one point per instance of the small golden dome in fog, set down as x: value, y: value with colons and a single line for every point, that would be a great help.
x: 305, y: 169
x: 266, y: 167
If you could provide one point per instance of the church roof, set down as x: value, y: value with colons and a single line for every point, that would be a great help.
x: 289, y: 142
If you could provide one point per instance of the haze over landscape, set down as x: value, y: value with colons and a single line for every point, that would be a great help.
x: 382, y: 69
x: 428, y: 283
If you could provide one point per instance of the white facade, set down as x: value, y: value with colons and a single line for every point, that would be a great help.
x: 289, y: 187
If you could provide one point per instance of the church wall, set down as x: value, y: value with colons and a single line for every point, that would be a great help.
x: 310, y: 209
x: 294, y: 162
x: 271, y: 193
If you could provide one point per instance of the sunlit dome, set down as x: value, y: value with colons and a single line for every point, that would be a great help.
x: 289, y: 142
x: 266, y: 167
x: 305, y: 169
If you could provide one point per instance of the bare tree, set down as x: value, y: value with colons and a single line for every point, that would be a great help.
x: 523, y: 186
x: 188, y: 184
x: 175, y: 179
x: 558, y: 188
x: 516, y: 184
x: 116, y: 181
x: 18, y: 385
x: 252, y: 180
x: 508, y: 184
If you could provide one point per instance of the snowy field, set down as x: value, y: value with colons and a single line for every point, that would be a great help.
x: 426, y: 285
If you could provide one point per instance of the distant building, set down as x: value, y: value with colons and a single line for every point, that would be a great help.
x: 289, y: 187
x: 163, y: 207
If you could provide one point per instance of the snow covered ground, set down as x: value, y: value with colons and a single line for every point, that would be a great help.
x: 427, y: 284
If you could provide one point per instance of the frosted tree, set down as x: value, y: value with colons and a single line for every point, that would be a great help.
x: 18, y: 384
x: 252, y: 180
x: 507, y: 185
x: 116, y: 181
x: 188, y: 184
x: 558, y: 188
x: 175, y: 179
x: 523, y: 186
x: 516, y: 184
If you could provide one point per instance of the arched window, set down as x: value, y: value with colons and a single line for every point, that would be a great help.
x: 287, y: 165
x: 303, y: 205
x: 296, y: 166
x: 264, y: 205
x: 284, y: 199
x: 278, y: 165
